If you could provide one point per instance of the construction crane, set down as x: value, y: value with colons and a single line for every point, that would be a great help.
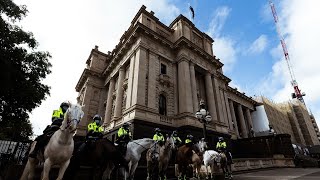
x: 297, y: 93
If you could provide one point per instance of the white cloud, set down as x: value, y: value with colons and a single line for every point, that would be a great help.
x: 223, y: 47
x: 298, y: 22
x: 258, y: 45
x: 69, y: 30
x: 218, y: 21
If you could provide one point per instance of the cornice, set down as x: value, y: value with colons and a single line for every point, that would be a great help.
x: 183, y: 41
x: 98, y: 52
x: 85, y: 74
x: 223, y: 77
x: 242, y: 95
x: 181, y: 17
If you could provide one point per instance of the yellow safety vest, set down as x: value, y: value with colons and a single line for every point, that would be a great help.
x: 188, y: 141
x: 221, y: 145
x: 123, y: 132
x: 157, y: 137
x: 57, y: 114
x: 94, y: 127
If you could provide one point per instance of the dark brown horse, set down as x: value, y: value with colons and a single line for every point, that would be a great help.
x: 187, y: 155
x: 184, y: 158
x: 97, y: 154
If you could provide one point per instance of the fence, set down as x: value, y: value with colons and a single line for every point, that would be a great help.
x: 263, y: 147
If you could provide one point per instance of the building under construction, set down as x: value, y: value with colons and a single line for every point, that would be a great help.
x: 290, y: 117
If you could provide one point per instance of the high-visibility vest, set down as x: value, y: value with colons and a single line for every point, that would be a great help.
x: 123, y: 132
x: 157, y: 137
x: 94, y: 127
x: 188, y: 141
x: 221, y: 145
x: 57, y: 114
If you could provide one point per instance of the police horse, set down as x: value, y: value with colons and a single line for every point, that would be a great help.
x: 60, y: 147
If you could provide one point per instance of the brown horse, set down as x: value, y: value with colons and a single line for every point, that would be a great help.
x: 187, y: 155
x: 97, y: 154
x: 153, y: 157
x: 160, y: 162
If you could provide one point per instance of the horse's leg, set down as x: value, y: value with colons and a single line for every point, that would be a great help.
x: 148, y: 169
x: 46, y: 169
x: 33, y: 163
x: 134, y: 165
x: 26, y: 171
x: 62, y: 169
x: 107, y: 172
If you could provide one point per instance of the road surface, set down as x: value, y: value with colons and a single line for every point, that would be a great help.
x: 281, y: 174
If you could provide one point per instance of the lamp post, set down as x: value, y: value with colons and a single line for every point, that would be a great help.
x: 204, y: 117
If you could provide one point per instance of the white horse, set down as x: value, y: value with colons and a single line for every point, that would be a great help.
x: 134, y: 150
x: 210, y: 158
x: 60, y: 147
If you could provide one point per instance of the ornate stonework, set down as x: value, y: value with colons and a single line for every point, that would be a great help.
x: 175, y: 61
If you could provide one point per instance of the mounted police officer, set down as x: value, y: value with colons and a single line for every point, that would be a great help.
x: 57, y: 119
x: 176, y: 138
x: 222, y: 147
x: 94, y: 132
x: 158, y: 137
x: 124, y: 136
x: 189, y: 140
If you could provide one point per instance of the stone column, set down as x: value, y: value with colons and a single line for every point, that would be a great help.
x: 130, y: 82
x: 139, y: 80
x: 119, y: 96
x: 210, y: 96
x: 249, y: 119
x: 194, y: 88
x: 217, y: 99
x: 234, y: 119
x: 107, y: 117
x: 244, y: 130
x: 224, y: 108
x: 228, y: 115
x: 185, y: 95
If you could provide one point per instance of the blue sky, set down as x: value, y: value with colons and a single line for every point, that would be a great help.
x: 244, y: 32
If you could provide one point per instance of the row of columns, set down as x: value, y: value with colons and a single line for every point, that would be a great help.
x: 119, y: 97
x: 244, y: 118
x: 220, y: 108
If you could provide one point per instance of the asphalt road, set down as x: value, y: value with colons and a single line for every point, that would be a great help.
x: 281, y: 174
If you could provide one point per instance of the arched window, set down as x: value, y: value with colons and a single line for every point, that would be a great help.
x: 162, y: 105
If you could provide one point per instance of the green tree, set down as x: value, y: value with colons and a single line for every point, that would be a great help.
x: 22, y: 68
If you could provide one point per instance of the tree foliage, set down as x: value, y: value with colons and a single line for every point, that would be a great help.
x: 22, y: 68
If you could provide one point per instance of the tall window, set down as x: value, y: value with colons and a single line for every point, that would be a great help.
x: 163, y: 69
x: 162, y: 105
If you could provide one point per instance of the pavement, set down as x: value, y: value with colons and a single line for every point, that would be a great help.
x: 281, y: 174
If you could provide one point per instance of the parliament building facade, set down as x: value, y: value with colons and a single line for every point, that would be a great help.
x: 156, y: 76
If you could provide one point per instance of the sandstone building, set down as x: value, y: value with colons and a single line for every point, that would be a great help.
x: 286, y: 118
x: 156, y: 77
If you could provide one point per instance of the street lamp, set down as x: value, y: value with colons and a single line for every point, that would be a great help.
x: 204, y: 117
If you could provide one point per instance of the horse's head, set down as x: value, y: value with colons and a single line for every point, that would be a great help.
x: 170, y: 142
x: 202, y: 145
x: 72, y: 117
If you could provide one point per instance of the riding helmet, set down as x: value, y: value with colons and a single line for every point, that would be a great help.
x: 97, y: 117
x: 157, y: 130
x: 64, y: 106
x: 220, y: 138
